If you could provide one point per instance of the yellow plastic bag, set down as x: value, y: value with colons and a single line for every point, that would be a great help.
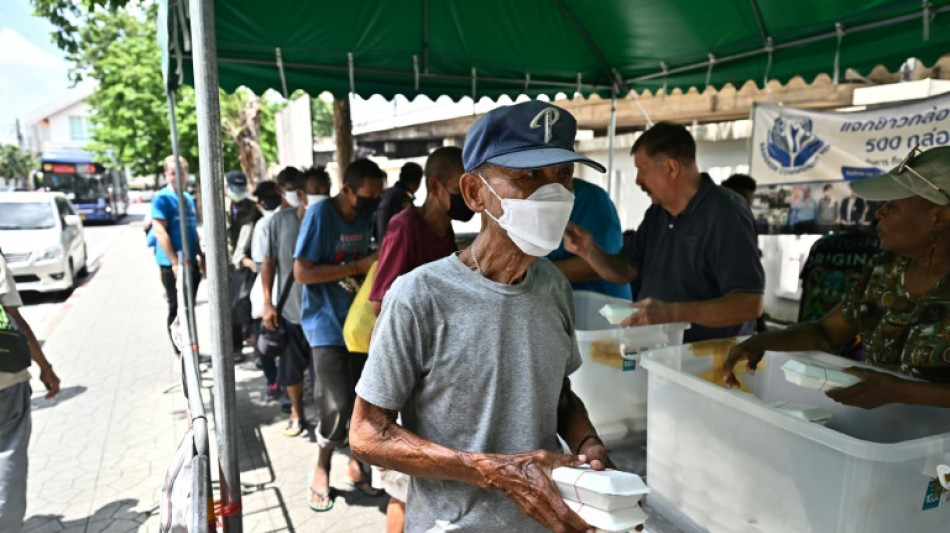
x: 360, y: 320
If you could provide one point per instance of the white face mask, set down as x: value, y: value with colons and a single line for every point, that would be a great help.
x: 314, y: 199
x: 292, y: 199
x: 237, y: 196
x: 536, y: 224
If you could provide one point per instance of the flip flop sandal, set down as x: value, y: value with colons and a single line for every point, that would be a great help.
x: 295, y: 427
x: 319, y: 495
x: 367, y: 489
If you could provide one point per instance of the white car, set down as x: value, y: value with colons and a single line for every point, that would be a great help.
x: 139, y: 196
x: 42, y: 240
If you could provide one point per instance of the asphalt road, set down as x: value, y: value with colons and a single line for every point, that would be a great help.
x: 44, y: 310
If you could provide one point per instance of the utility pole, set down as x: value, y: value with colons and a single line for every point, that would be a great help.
x: 19, y: 136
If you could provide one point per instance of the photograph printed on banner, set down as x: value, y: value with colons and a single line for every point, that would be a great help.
x: 803, y: 208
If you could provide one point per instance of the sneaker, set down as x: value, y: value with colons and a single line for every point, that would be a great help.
x: 274, y: 392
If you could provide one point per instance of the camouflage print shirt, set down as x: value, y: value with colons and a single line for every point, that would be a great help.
x: 902, y: 331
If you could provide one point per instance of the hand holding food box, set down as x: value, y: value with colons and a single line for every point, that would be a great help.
x: 606, y: 499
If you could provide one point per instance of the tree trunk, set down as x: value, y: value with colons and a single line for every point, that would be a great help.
x: 249, y: 140
x: 343, y: 133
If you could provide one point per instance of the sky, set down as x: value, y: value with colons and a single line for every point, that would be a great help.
x: 33, y: 72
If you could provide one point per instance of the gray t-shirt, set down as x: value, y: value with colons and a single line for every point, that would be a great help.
x: 473, y: 365
x: 282, y: 229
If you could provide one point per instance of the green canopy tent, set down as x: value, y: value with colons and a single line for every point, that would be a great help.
x: 491, y: 48
x: 503, y: 47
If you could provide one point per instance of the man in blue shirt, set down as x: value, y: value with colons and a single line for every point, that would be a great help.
x: 165, y: 224
x: 595, y: 212
x: 333, y: 249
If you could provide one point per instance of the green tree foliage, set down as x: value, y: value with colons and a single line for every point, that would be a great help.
x: 67, y: 16
x: 322, y: 112
x: 114, y: 43
x: 16, y: 164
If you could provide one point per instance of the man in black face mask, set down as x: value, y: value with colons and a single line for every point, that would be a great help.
x: 416, y: 236
x: 333, y: 245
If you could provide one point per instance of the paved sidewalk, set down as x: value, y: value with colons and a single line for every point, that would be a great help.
x: 100, y: 449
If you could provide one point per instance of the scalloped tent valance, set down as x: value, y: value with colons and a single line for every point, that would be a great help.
x: 493, y: 47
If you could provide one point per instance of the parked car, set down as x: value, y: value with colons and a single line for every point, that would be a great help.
x: 138, y: 196
x: 42, y: 240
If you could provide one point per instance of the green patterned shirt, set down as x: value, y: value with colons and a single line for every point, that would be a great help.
x: 902, y: 331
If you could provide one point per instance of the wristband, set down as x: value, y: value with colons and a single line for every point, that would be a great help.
x: 584, y: 441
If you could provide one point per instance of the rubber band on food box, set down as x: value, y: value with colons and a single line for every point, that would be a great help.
x: 577, y: 494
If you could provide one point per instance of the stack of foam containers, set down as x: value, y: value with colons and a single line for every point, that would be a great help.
x: 616, y: 398
x: 608, y: 500
x: 727, y: 461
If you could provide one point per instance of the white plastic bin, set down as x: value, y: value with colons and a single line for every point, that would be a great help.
x: 614, y: 390
x: 721, y: 460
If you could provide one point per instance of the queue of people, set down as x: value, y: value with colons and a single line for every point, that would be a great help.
x: 466, y: 387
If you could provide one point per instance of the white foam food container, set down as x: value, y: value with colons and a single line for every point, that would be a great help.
x: 604, y: 489
x: 815, y: 376
x: 615, y: 313
x: 618, y: 521
x: 811, y: 413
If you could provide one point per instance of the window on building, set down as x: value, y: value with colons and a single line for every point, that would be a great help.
x: 78, y: 129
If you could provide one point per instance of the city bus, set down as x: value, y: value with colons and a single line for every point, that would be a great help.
x: 97, y: 192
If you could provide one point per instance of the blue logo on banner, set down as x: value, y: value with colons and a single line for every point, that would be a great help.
x: 792, y: 143
x: 932, y: 498
x: 858, y: 173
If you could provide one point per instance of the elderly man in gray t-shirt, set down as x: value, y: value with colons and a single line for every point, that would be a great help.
x: 475, y: 349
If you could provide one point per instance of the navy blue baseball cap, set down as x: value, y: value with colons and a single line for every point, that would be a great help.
x: 532, y: 134
x: 236, y: 179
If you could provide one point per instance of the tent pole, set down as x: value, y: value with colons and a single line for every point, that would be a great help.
x: 180, y: 182
x: 611, y: 136
x: 196, y: 413
x: 212, y: 199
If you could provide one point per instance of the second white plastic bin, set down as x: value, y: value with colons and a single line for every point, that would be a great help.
x: 614, y: 387
x: 723, y: 460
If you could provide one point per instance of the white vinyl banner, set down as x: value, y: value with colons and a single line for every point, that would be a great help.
x: 794, y: 145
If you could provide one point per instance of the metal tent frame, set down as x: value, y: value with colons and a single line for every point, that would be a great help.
x: 202, y: 43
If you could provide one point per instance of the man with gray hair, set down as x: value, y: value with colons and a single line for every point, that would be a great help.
x: 696, y: 251
x: 474, y: 350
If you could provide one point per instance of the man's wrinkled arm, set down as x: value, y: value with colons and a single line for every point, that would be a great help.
x: 523, y: 478
x: 377, y: 439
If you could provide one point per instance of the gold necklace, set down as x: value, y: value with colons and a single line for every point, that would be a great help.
x: 475, y: 260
